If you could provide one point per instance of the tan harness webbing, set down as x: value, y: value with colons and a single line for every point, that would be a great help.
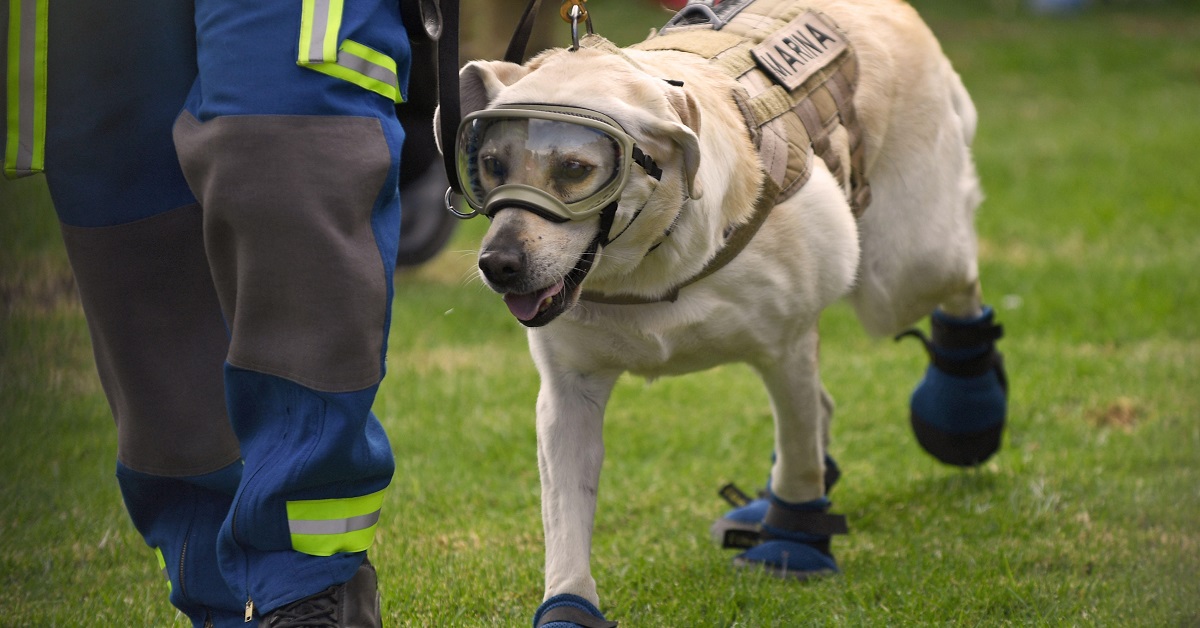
x: 785, y: 126
x: 737, y: 240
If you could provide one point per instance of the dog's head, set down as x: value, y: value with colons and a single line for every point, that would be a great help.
x: 581, y: 161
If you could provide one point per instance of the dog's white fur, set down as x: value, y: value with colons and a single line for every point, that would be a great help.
x: 913, y: 250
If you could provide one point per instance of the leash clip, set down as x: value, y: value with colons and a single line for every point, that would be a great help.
x: 572, y: 11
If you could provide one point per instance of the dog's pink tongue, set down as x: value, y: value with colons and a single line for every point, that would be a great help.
x: 526, y: 306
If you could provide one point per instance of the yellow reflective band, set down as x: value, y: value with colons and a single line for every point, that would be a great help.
x: 320, y: 21
x: 25, y: 138
x: 162, y: 566
x: 368, y: 68
x: 323, y: 527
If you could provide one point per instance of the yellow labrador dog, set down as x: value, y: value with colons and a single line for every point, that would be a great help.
x: 698, y: 199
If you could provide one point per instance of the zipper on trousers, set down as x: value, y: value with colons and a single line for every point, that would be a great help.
x: 182, y: 557
x: 245, y: 571
x: 208, y: 622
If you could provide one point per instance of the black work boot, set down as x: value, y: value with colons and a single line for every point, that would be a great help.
x: 354, y: 604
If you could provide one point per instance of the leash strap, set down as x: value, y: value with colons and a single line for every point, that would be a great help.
x: 447, y: 63
x: 448, y: 96
x: 520, y: 39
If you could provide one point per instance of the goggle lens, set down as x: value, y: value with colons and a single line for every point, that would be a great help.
x: 577, y: 164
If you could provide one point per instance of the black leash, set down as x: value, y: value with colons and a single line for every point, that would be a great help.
x: 448, y: 97
x: 520, y: 39
x: 446, y: 37
x: 447, y: 72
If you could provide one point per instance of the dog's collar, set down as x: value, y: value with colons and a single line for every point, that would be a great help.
x: 737, y: 240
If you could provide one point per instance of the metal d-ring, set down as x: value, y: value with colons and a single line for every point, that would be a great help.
x: 575, y: 12
x: 450, y: 207
x: 572, y: 11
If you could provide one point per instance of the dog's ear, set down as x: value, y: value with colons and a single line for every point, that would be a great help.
x: 480, y: 81
x: 478, y: 84
x: 685, y: 107
x: 685, y: 135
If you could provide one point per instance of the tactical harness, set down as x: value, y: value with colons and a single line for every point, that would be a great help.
x: 796, y: 74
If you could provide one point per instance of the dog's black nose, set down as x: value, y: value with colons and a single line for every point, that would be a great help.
x: 502, y: 266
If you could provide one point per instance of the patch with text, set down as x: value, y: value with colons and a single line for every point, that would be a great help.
x: 798, y: 50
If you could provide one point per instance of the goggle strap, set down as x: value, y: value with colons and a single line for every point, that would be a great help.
x: 647, y: 163
x: 608, y: 216
x: 613, y: 208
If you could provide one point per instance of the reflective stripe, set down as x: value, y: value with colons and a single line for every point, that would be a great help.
x: 25, y: 143
x: 333, y: 526
x: 323, y: 527
x: 162, y: 566
x: 371, y: 64
x: 369, y: 69
x: 320, y: 21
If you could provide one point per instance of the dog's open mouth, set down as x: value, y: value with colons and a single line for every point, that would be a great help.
x: 539, y: 307
x: 527, y: 307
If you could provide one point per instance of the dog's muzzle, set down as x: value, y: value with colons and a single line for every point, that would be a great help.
x: 562, y: 163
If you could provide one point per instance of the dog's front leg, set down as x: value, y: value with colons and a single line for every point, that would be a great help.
x: 792, y: 519
x: 794, y: 384
x: 570, y: 421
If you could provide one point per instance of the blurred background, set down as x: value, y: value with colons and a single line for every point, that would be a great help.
x: 1089, y: 152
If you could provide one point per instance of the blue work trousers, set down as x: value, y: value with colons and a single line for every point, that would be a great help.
x: 225, y: 174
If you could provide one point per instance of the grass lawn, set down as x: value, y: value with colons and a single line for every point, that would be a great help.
x: 1089, y: 149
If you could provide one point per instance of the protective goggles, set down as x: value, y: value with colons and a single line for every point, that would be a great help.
x: 564, y: 163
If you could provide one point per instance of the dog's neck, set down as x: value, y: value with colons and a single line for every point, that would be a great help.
x: 713, y: 228
x: 736, y: 237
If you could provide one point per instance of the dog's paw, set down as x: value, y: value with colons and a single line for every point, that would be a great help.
x: 741, y: 527
x: 787, y: 559
x: 569, y: 611
x: 795, y: 539
x: 788, y: 540
x: 958, y: 409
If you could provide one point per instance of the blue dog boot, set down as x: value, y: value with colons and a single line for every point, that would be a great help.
x: 794, y: 540
x: 740, y: 528
x: 959, y: 408
x: 569, y: 611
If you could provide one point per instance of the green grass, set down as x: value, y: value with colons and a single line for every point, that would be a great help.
x: 1088, y: 146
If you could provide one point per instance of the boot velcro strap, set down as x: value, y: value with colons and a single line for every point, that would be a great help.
x: 741, y: 536
x: 964, y: 336
x: 573, y: 615
x: 734, y: 495
x: 815, y: 523
x: 967, y: 368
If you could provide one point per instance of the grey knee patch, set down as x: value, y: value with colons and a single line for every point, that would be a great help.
x: 159, y: 340
x: 287, y: 217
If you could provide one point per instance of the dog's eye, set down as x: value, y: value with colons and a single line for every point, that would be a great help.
x: 573, y: 170
x: 493, y: 167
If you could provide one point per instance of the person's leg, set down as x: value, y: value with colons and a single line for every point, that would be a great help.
x: 118, y: 75
x: 296, y: 165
